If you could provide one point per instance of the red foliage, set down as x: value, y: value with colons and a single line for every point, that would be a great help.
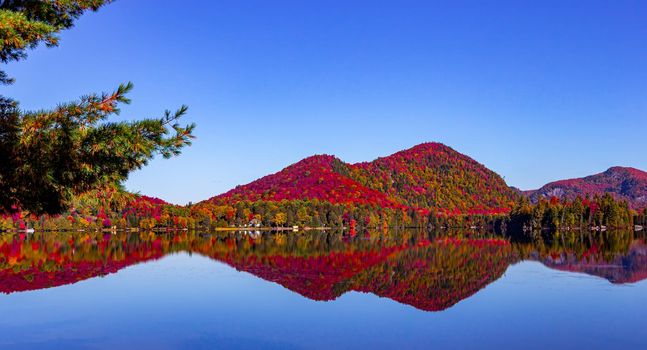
x: 623, y: 183
x: 311, y: 178
x: 145, y: 207
x: 427, y: 176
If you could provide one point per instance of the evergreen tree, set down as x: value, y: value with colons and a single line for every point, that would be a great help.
x: 47, y: 157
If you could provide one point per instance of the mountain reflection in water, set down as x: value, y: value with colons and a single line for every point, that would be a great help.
x: 427, y: 271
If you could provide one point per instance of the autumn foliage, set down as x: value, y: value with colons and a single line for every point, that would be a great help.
x: 623, y: 183
x: 428, y: 178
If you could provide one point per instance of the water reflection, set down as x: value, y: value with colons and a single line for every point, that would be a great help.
x: 427, y: 271
x: 619, y: 257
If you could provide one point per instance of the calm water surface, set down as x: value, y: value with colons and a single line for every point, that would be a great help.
x: 318, y: 290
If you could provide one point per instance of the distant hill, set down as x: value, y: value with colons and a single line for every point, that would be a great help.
x: 427, y: 176
x: 623, y: 183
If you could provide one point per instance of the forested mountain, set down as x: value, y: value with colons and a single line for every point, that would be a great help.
x: 316, y: 177
x: 429, y: 185
x: 430, y: 176
x: 623, y: 183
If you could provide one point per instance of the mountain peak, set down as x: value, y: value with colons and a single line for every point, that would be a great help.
x: 318, y: 158
x: 627, y: 171
x: 419, y: 150
x: 426, y: 176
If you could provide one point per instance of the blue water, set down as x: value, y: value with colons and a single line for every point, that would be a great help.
x: 188, y: 301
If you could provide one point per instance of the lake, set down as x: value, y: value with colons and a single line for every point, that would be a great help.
x: 322, y: 290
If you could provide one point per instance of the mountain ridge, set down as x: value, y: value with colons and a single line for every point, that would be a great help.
x: 624, y: 183
x: 426, y: 176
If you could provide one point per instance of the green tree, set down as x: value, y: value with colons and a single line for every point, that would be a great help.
x: 303, y: 218
x: 48, y: 157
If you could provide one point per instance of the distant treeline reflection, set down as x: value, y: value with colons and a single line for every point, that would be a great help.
x: 422, y: 269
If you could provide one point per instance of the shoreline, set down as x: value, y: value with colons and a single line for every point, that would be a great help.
x: 635, y: 228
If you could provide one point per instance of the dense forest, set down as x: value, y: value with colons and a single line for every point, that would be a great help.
x: 427, y: 186
x: 112, y: 208
x: 597, y: 212
x: 433, y: 175
x: 115, y: 209
x: 427, y: 177
x: 623, y: 183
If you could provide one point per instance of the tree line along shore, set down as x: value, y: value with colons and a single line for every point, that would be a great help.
x: 114, y: 209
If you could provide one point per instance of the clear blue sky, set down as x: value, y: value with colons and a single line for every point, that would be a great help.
x: 536, y: 91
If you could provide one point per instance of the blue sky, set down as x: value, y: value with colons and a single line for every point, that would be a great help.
x: 536, y: 91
